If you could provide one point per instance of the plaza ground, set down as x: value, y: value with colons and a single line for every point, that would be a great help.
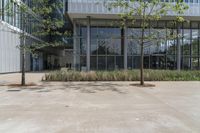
x: 98, y: 107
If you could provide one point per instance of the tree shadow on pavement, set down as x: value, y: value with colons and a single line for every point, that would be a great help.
x: 95, y: 87
x: 82, y: 87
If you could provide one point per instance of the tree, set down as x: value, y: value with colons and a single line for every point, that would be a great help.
x: 147, y: 11
x: 52, y: 22
x: 8, y: 11
x: 45, y: 24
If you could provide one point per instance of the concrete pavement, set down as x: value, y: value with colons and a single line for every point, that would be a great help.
x: 99, y: 107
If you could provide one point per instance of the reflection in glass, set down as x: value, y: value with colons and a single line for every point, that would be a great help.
x: 133, y: 47
x: 186, y: 62
x: 195, y: 43
x: 186, y: 42
x: 136, y: 62
x: 129, y: 62
x: 110, y: 62
x: 102, y: 63
x: 93, y: 62
x: 93, y: 47
x: 171, y: 43
x: 171, y: 62
x: 83, y: 41
x: 134, y: 35
x: 94, y: 32
x: 107, y: 46
x: 158, y: 62
x: 111, y: 47
x: 146, y: 62
x: 195, y: 63
x: 83, y: 63
x: 102, y: 49
x: 119, y: 62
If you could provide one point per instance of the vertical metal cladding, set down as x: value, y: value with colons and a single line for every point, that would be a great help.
x: 9, y: 54
x: 10, y: 60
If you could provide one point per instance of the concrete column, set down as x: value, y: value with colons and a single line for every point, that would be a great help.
x: 179, y: 49
x: 74, y: 45
x: 88, y: 44
x: 125, y: 48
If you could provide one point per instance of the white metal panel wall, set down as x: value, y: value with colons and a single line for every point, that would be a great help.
x: 9, y: 53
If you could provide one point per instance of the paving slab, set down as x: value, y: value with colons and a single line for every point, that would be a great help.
x: 98, y: 107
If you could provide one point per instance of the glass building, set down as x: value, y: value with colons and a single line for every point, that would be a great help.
x: 100, y: 43
x: 11, y: 25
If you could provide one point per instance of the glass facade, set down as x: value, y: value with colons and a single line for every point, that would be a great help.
x: 13, y: 15
x: 107, y: 46
x: 106, y: 50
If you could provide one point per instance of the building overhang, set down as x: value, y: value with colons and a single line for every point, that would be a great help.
x: 76, y: 16
x: 98, y: 10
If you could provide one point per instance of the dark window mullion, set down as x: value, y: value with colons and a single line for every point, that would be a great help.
x: 190, y: 46
x: 199, y: 45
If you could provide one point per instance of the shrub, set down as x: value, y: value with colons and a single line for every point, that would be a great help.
x: 129, y: 75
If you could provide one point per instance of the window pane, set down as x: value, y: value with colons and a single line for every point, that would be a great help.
x: 195, y: 63
x: 83, y: 63
x: 195, y: 42
x: 186, y: 62
x: 119, y: 62
x: 130, y: 62
x: 83, y: 41
x: 93, y: 62
x: 171, y: 44
x: 186, y: 42
x: 93, y: 47
x: 101, y: 63
x: 136, y: 62
x: 146, y: 62
x: 110, y: 62
x: 102, y: 46
x: 171, y: 62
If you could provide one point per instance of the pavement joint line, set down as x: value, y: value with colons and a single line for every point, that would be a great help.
x: 180, y: 115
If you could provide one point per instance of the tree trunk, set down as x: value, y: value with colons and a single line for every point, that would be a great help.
x: 142, y: 48
x: 142, y: 61
x: 23, y: 79
x: 23, y: 43
x: 142, y: 58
